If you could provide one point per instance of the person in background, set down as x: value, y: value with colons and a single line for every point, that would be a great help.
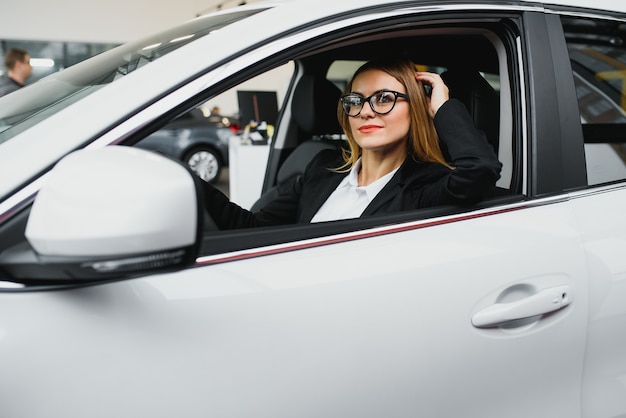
x: 394, y: 129
x: 215, y: 116
x: 19, y: 69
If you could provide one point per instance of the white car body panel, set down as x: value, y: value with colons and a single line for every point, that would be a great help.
x: 604, y: 242
x: 329, y: 336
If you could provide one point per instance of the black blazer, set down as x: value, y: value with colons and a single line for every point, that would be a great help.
x: 415, y: 185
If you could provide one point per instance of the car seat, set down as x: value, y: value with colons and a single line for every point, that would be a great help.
x: 480, y: 98
x: 482, y: 102
x: 314, y: 110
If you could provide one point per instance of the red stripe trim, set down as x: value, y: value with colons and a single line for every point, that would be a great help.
x: 351, y: 236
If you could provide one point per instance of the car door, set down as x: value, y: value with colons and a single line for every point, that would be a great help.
x: 478, y: 312
x: 596, y: 53
x: 381, y: 325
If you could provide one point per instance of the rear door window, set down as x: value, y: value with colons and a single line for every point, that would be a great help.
x: 597, y: 51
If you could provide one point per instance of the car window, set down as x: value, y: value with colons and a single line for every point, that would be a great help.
x: 261, y: 167
x: 597, y: 51
x: 220, y: 131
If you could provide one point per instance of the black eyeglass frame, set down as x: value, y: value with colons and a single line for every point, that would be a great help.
x: 368, y: 99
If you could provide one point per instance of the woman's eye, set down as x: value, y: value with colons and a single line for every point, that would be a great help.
x: 385, y: 98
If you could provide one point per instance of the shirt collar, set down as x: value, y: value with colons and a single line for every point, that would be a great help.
x: 352, y: 180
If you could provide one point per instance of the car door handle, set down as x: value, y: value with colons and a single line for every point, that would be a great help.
x: 543, y: 302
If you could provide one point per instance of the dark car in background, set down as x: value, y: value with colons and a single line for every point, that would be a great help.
x: 201, y: 142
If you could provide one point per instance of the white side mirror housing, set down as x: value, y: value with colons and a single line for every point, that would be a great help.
x: 112, y: 210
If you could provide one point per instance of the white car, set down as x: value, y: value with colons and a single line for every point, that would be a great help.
x: 118, y: 299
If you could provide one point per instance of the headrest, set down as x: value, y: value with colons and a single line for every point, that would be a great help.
x: 480, y: 98
x: 314, y: 105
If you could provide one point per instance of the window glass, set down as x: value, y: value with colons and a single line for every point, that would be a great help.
x: 48, y: 57
x: 66, y: 87
x: 254, y: 174
x: 220, y: 131
x: 597, y: 51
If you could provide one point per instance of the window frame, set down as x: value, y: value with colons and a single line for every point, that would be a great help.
x: 222, y: 242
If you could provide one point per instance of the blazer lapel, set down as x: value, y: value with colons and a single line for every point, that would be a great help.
x: 318, y: 193
x: 392, y: 190
x: 390, y: 197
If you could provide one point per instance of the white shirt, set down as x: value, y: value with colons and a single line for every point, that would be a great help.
x: 349, y: 200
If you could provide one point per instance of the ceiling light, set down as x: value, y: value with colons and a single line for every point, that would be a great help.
x: 42, y: 62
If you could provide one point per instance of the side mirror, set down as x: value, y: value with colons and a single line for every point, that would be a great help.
x: 109, y: 213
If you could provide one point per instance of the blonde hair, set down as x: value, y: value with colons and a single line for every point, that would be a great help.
x: 423, y: 142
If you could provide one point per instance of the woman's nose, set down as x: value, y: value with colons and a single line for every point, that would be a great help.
x: 367, y: 110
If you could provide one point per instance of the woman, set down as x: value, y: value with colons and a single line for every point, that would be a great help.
x: 394, y: 162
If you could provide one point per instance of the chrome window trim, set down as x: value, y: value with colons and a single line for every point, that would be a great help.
x: 583, y: 14
x: 524, y: 114
x: 600, y: 189
x: 26, y: 195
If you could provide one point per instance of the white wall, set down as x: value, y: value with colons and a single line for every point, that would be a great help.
x: 106, y: 21
x: 275, y: 80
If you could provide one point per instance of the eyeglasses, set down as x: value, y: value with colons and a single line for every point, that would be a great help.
x: 381, y: 102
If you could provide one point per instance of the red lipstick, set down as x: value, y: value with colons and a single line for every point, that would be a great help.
x: 369, y: 128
